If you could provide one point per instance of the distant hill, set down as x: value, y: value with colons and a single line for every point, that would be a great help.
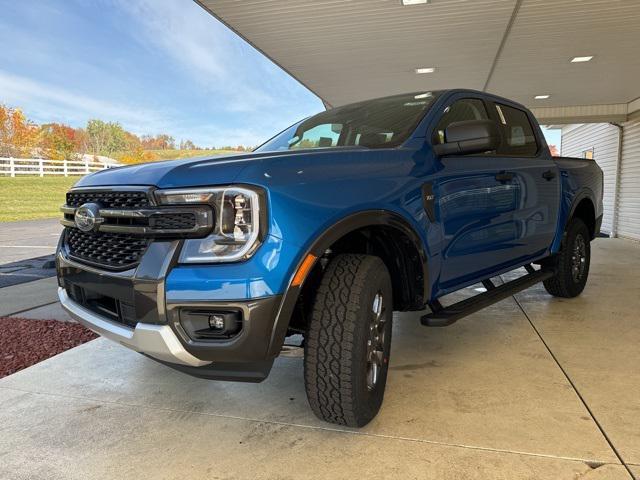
x: 173, y: 154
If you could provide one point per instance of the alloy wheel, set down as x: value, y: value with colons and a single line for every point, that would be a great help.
x: 578, y: 258
x: 376, y: 341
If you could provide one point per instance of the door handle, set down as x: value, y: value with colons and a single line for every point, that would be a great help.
x: 504, y: 176
x: 549, y: 175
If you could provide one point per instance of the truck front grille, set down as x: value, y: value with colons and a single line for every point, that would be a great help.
x: 173, y: 221
x: 111, y: 250
x: 127, y: 220
x: 109, y: 199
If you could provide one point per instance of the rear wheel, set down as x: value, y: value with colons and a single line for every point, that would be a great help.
x: 573, y: 262
x: 348, y: 340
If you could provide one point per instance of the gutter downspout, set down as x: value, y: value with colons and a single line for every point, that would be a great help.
x: 616, y: 188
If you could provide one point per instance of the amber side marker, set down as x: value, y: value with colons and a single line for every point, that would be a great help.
x: 304, y: 268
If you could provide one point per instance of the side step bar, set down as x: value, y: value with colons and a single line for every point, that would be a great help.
x: 441, y: 316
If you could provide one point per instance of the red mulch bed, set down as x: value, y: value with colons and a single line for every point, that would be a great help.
x: 25, y: 342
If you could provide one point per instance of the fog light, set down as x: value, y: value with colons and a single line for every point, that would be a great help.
x: 206, y: 324
x: 216, y: 322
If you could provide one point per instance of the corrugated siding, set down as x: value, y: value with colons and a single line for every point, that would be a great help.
x: 629, y: 194
x: 603, y: 138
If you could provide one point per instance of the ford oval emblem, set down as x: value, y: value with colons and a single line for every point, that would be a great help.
x: 87, y: 217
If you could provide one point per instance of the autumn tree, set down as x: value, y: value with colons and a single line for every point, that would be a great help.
x: 133, y: 141
x: 554, y: 151
x: 161, y: 141
x: 81, y: 140
x: 137, y: 155
x: 59, y: 142
x: 18, y: 135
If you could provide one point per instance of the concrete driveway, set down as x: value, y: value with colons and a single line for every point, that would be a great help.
x: 533, y: 387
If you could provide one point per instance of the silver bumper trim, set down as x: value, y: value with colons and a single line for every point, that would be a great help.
x: 157, y: 341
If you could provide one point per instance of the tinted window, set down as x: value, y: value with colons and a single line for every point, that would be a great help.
x: 461, y: 110
x: 325, y: 135
x: 379, y: 123
x: 518, y: 136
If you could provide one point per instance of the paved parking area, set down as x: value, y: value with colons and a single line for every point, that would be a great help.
x: 533, y: 387
x: 28, y: 239
x: 28, y: 297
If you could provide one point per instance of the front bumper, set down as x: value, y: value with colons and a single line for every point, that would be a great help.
x: 149, y: 318
x: 157, y: 341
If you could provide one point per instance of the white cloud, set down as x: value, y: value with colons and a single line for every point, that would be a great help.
x: 215, y: 58
x: 49, y: 102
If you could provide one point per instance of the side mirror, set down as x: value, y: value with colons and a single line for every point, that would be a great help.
x: 470, y: 136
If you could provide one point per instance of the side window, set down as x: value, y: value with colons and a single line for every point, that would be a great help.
x: 461, y: 110
x: 518, y: 136
x: 320, y: 136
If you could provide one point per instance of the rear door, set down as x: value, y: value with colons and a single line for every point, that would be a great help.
x: 476, y: 200
x: 537, y: 178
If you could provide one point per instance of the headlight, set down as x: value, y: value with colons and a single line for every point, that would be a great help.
x: 236, y: 231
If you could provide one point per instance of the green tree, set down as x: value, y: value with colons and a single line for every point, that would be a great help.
x: 106, y: 138
x: 187, y: 145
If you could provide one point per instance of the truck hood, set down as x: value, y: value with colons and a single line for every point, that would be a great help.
x: 174, y: 173
x: 257, y: 168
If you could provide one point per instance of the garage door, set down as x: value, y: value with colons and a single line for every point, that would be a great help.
x: 629, y: 194
x: 599, y: 140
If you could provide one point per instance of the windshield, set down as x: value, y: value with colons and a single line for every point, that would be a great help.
x: 380, y: 123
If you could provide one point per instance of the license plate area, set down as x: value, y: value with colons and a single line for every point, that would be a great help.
x: 114, y: 309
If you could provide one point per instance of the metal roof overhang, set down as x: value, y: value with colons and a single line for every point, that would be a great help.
x: 349, y: 50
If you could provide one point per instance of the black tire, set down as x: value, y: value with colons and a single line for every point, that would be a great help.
x: 337, y: 370
x: 572, y: 262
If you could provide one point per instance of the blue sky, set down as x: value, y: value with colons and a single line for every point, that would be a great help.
x: 152, y: 65
x: 155, y: 66
x: 553, y: 137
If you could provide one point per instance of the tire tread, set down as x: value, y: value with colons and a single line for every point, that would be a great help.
x: 331, y: 338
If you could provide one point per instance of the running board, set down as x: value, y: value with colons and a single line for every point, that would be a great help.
x: 443, y: 316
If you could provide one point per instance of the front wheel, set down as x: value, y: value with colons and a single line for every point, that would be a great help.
x: 348, y: 340
x: 573, y: 262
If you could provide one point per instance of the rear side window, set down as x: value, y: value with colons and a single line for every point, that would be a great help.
x: 518, y: 136
x: 460, y: 111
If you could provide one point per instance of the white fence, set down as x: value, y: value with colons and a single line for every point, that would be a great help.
x: 40, y: 167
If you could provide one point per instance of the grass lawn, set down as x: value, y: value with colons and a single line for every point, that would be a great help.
x: 30, y: 198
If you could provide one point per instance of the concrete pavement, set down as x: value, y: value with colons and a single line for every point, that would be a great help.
x: 596, y: 340
x: 533, y: 387
x: 24, y: 271
x: 28, y: 239
x: 53, y: 311
x: 28, y: 296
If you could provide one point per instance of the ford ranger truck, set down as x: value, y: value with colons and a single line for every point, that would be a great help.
x: 207, y: 265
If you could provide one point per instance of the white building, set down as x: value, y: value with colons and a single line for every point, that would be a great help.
x: 616, y: 148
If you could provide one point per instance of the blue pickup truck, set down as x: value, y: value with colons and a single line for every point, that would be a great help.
x: 208, y: 265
